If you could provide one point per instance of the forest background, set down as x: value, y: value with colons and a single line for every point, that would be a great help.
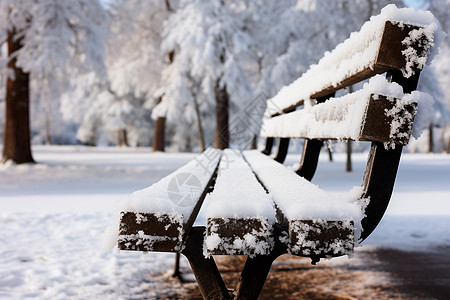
x: 175, y: 74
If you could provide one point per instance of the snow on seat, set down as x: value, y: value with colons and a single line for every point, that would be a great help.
x: 395, y: 39
x: 158, y: 218
x: 319, y: 223
x: 239, y: 212
x: 378, y: 112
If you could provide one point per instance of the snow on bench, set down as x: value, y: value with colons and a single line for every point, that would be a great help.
x: 379, y: 112
x: 395, y: 39
x: 239, y: 212
x: 158, y: 218
x: 319, y: 223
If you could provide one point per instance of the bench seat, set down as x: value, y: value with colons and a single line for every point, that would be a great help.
x: 248, y: 196
x: 239, y: 212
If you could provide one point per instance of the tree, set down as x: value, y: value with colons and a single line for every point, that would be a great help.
x: 17, y: 126
x: 209, y: 43
x: 436, y: 83
x: 50, y: 40
x: 134, y: 56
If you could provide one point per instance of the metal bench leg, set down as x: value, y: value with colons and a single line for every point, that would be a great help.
x: 269, y: 144
x: 310, y: 158
x: 382, y: 165
x: 282, y: 151
x: 378, y: 184
x: 205, y: 269
x: 253, y: 276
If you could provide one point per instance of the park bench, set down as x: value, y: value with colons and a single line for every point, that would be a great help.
x: 255, y: 206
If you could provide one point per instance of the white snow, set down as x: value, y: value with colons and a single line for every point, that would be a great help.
x: 178, y: 192
x: 53, y: 215
x: 357, y: 53
x: 297, y: 198
x: 342, y: 118
x: 237, y: 193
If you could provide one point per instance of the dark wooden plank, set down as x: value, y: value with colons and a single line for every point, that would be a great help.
x: 321, y: 238
x: 377, y: 122
x: 389, y: 57
x: 240, y: 236
x: 391, y: 46
x: 150, y: 232
x: 358, y: 77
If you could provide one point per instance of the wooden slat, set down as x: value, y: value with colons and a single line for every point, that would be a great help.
x: 159, y: 231
x: 321, y: 238
x: 239, y: 211
x: 150, y: 232
x: 389, y: 57
x: 375, y: 125
x: 239, y: 236
x: 316, y: 237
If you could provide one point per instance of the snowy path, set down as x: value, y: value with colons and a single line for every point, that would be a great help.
x: 54, y: 213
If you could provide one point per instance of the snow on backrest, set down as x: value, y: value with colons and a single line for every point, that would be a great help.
x: 359, y: 52
x: 343, y: 117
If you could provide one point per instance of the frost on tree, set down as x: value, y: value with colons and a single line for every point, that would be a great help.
x: 49, y: 40
x: 209, y: 41
x: 135, y: 62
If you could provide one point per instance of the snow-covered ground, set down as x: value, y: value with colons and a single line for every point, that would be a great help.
x: 53, y: 215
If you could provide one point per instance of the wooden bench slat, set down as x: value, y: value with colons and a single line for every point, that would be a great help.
x: 159, y: 218
x: 381, y: 124
x: 381, y: 51
x: 240, y: 213
x: 362, y: 115
x: 143, y: 232
x: 319, y: 223
x: 322, y: 238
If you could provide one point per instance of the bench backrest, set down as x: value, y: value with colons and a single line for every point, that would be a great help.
x: 398, y: 42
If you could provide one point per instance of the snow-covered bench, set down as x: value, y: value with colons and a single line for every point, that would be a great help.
x: 255, y: 206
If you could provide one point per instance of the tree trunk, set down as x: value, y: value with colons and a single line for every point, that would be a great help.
x: 430, y: 139
x: 158, y: 139
x: 348, y: 166
x: 48, y: 132
x: 222, y: 134
x: 448, y: 146
x: 254, y: 142
x: 16, y: 146
x: 122, y: 139
x: 201, y: 136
